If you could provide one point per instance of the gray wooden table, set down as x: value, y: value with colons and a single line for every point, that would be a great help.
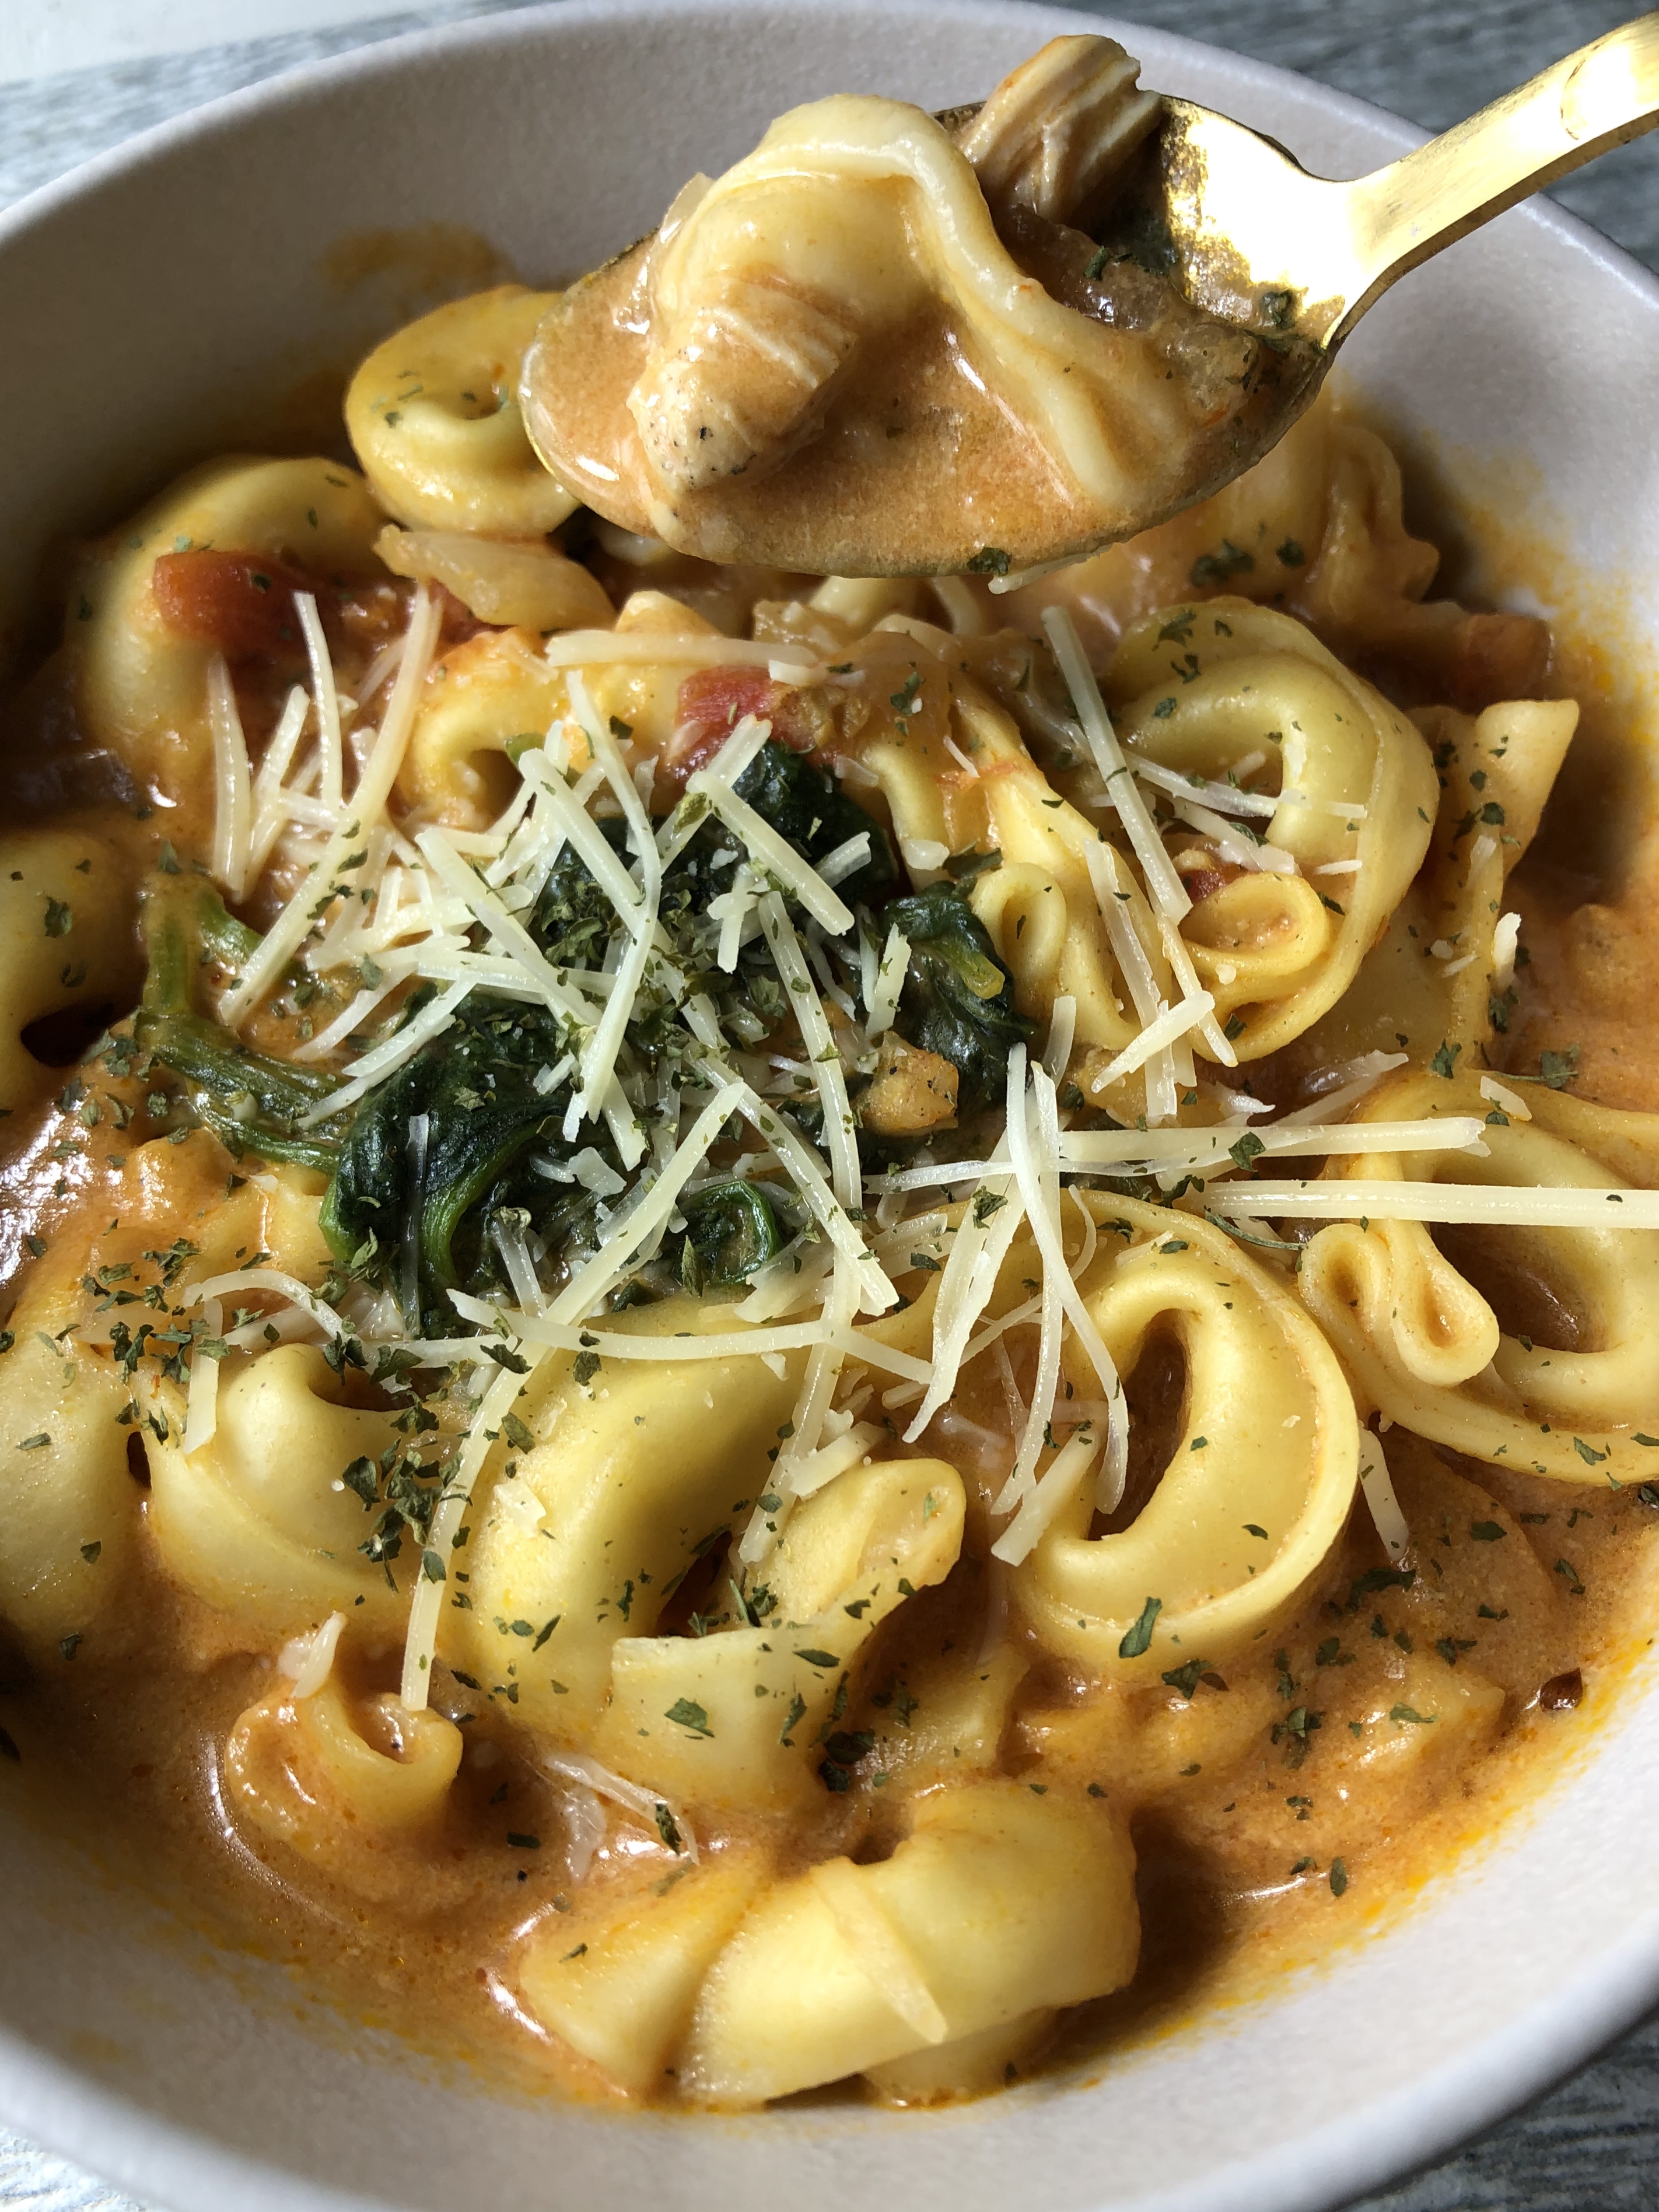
x: 1593, y: 2146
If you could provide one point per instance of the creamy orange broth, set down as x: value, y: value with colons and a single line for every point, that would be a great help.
x: 1267, y: 1825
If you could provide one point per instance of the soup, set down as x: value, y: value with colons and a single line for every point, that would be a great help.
x: 771, y: 1330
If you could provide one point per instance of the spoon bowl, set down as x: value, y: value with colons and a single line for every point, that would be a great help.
x: 995, y: 339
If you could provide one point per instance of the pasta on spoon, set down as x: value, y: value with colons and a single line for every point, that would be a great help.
x: 1003, y: 337
x: 878, y: 333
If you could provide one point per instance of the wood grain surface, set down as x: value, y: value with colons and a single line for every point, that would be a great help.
x: 1593, y: 2145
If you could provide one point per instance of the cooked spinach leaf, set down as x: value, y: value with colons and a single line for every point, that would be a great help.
x: 476, y: 1087
x: 958, y: 997
x: 814, y: 814
x: 731, y: 1231
x: 251, y: 1102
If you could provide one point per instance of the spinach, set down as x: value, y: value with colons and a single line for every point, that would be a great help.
x: 814, y: 814
x: 808, y: 809
x: 573, y: 916
x: 251, y: 1103
x: 731, y: 1231
x: 476, y: 1087
x: 958, y: 997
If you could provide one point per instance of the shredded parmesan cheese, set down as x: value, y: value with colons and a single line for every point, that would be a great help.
x: 1167, y: 891
x: 1523, y: 1205
x: 604, y: 648
x: 1378, y: 1487
x: 1507, y: 1101
x: 330, y: 744
x: 1055, y: 1486
x: 375, y: 1067
x: 1175, y: 1022
x: 202, y: 1402
x: 324, y: 880
x: 272, y: 1280
x: 232, y: 798
x: 815, y: 1034
x: 1506, y: 943
x: 774, y: 853
x: 579, y: 1767
x: 882, y: 989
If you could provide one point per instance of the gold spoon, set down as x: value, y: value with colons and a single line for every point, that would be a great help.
x: 1242, y: 213
x: 1191, y: 273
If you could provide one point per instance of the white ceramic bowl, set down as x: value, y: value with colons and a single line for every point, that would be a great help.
x: 155, y: 303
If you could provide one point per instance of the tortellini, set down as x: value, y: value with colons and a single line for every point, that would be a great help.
x: 1430, y: 981
x: 953, y: 1720
x: 754, y: 1701
x: 619, y: 1986
x: 1204, y: 689
x: 644, y: 695
x: 1261, y: 1472
x: 1209, y: 692
x: 434, y: 419
x: 258, y: 1522
x: 955, y: 775
x: 493, y: 696
x: 143, y: 684
x: 1560, y: 1379
x: 633, y: 1479
x: 1316, y: 527
x: 72, y: 1416
x: 489, y: 697
x: 68, y: 914
x: 1000, y: 1903
x: 327, y: 1774
x: 68, y: 1504
x: 180, y: 1188
x: 634, y: 1476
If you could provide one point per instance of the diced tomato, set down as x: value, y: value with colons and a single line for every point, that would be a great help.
x: 1203, y: 872
x: 712, y: 702
x: 244, y: 605
x: 240, y: 602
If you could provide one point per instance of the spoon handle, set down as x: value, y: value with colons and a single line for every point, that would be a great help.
x: 1603, y: 95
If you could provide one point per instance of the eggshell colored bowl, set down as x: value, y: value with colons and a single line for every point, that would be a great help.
x: 205, y: 286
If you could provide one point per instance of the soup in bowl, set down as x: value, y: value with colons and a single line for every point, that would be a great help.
x: 673, y: 1438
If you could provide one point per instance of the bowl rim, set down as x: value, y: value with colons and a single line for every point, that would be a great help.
x: 73, y: 2114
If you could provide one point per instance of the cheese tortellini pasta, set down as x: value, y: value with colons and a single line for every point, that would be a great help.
x: 313, y: 1771
x: 191, y: 576
x: 70, y: 916
x: 1227, y: 690
x: 998, y: 1905
x: 257, y: 1521
x: 70, y: 1506
x: 848, y: 1558
x: 1260, y: 1474
x: 1544, y: 1359
x: 434, y: 418
x: 1432, y: 978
